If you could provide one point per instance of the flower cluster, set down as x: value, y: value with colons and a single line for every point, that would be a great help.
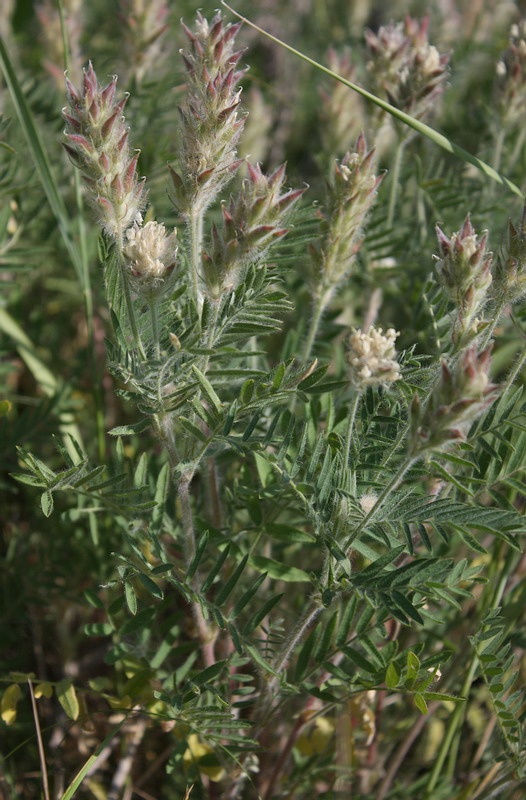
x: 51, y: 35
x: 352, y: 195
x: 145, y: 23
x: 459, y: 396
x: 210, y: 125
x: 149, y: 252
x: 509, y: 285
x: 98, y: 145
x: 464, y: 272
x: 371, y: 358
x: 252, y: 221
x: 511, y: 77
x: 405, y: 68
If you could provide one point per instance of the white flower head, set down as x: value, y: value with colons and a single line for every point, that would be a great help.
x: 368, y: 501
x: 150, y: 253
x: 371, y: 358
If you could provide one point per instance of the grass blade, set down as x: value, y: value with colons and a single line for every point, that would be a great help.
x: 40, y: 158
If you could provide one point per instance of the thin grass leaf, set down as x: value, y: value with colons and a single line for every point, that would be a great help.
x: 40, y: 160
x: 87, y: 766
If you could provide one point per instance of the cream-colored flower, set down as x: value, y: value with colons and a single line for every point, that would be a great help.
x: 150, y: 253
x: 371, y: 358
x: 368, y: 501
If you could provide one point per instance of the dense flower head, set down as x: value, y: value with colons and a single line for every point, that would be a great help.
x: 511, y: 77
x: 98, y: 145
x: 210, y: 121
x: 464, y: 272
x: 371, y: 358
x: 149, y: 252
x: 351, y: 196
x: 460, y: 395
x: 510, y: 269
x: 405, y: 67
x: 252, y: 221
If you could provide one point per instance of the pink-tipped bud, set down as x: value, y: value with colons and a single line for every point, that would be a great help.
x: 464, y: 272
x: 460, y: 395
x: 98, y: 145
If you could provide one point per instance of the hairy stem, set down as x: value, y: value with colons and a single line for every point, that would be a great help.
x: 302, y: 626
x: 499, y: 144
x: 206, y: 635
x: 154, y: 319
x: 490, y: 330
x: 353, y: 407
x: 130, y: 310
x: 183, y: 492
x: 395, y: 180
x: 196, y: 246
x: 510, y: 380
x: 393, y: 484
x: 321, y: 302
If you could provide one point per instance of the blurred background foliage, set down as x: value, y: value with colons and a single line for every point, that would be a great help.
x: 53, y: 377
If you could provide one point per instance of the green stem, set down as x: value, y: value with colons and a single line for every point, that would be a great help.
x: 132, y: 320
x: 265, y: 706
x: 196, y: 246
x: 393, y: 484
x: 353, y: 407
x: 40, y: 744
x: 499, y: 143
x: 296, y: 636
x: 322, y: 300
x: 206, y: 635
x: 454, y: 723
x: 515, y: 371
x: 209, y: 336
x: 154, y: 318
x: 517, y: 150
x: 490, y: 330
x: 395, y: 179
x: 446, y: 749
x: 183, y: 491
x: 131, y: 315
